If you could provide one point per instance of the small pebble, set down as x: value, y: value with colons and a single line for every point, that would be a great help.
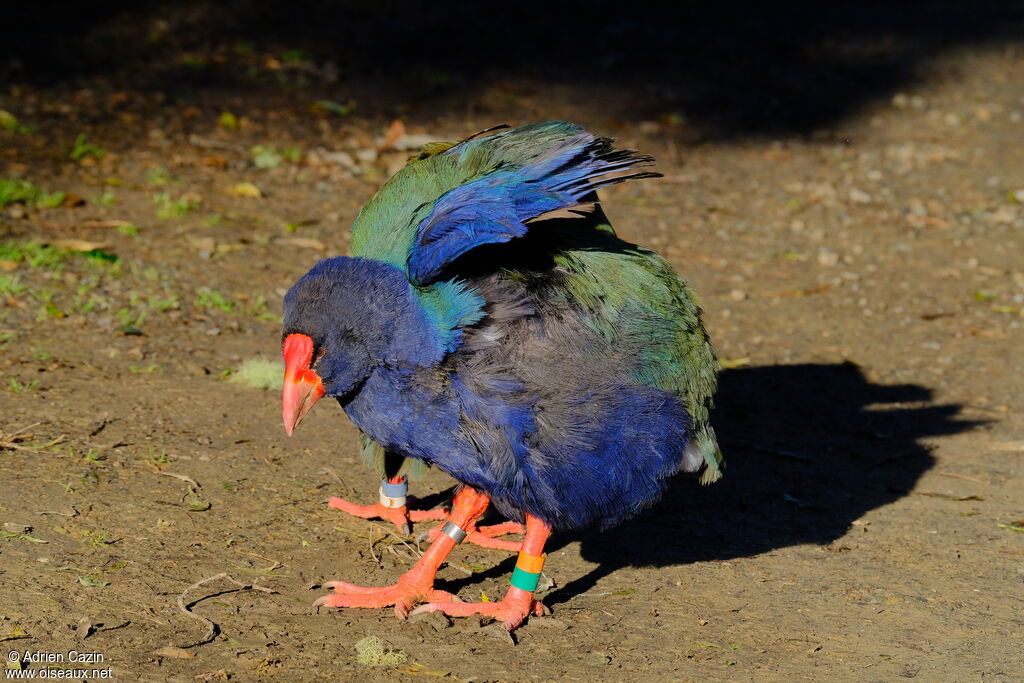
x: 859, y: 196
x: 367, y: 156
x: 436, y: 620
x: 549, y: 622
x: 827, y: 258
x: 343, y: 159
x: 498, y: 632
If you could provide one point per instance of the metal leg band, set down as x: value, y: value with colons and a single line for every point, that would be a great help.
x: 454, y: 532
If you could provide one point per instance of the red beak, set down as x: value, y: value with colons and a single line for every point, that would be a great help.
x: 302, y: 386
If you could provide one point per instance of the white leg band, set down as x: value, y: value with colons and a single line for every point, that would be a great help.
x: 391, y: 501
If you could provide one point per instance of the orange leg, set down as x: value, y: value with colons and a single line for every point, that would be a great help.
x: 518, y: 603
x: 390, y: 509
x: 401, y: 516
x: 484, y: 536
x: 417, y: 584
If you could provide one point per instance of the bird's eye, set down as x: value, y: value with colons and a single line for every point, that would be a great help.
x: 318, y: 353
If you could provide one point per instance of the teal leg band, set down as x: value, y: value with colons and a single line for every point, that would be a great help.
x: 524, y: 580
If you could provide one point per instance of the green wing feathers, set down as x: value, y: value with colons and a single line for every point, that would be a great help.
x: 639, y: 303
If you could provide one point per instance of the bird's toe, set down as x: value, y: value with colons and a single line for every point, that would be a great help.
x: 428, y: 515
x: 502, y: 529
x: 511, y: 614
x: 484, y: 536
x: 487, y: 541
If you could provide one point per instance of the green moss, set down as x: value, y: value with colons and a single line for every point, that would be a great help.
x: 260, y: 373
x: 371, y: 652
x: 35, y: 254
x: 17, y: 190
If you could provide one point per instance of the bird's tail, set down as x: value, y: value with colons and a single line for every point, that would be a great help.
x: 714, y: 461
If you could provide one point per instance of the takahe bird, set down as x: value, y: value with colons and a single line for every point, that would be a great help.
x: 492, y: 324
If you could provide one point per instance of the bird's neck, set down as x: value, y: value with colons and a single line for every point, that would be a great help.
x: 402, y: 409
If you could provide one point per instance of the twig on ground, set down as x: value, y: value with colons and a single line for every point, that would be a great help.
x: 24, y: 429
x: 12, y: 439
x: 961, y: 476
x: 192, y: 482
x: 348, y: 489
x: 207, y: 143
x: 74, y: 512
x: 373, y: 542
x: 211, y: 627
x: 277, y: 563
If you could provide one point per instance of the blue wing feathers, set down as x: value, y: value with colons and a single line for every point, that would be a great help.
x: 525, y: 173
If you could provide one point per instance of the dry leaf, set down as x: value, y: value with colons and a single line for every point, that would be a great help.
x: 307, y: 242
x: 395, y: 131
x: 77, y: 245
x: 245, y: 190
x: 173, y: 652
x: 71, y: 200
x: 114, y: 223
x: 207, y: 244
x: 84, y: 629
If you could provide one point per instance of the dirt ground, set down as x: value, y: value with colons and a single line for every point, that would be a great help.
x: 863, y: 282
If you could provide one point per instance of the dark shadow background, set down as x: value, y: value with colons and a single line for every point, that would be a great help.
x: 724, y: 69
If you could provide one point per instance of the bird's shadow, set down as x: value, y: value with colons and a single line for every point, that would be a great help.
x: 810, y: 449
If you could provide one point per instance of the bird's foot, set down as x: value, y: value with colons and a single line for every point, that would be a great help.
x: 400, y: 516
x: 417, y: 584
x: 484, y: 536
x: 412, y: 589
x: 511, y: 611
